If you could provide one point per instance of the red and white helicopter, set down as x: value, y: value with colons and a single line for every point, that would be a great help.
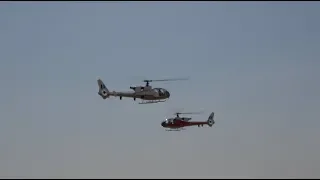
x: 178, y: 123
x: 146, y: 93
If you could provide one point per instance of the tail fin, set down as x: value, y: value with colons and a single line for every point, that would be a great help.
x: 103, y: 90
x: 211, y: 120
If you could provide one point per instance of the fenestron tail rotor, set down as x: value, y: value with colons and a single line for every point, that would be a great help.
x: 157, y: 80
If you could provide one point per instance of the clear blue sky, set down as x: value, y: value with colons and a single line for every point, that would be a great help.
x: 255, y: 64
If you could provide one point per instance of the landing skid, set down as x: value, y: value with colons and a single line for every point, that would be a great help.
x: 175, y: 129
x: 151, y: 101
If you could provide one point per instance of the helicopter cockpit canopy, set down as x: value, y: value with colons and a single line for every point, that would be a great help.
x: 162, y: 92
x: 169, y: 120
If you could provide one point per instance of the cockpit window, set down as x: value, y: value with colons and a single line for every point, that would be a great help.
x: 161, y: 92
x: 156, y: 90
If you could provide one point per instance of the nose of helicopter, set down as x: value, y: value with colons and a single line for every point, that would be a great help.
x: 163, y: 124
x: 168, y: 94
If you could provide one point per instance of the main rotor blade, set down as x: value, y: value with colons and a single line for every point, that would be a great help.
x: 176, y: 79
x: 189, y: 112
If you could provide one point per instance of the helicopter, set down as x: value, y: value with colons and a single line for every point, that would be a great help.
x: 146, y: 93
x: 178, y: 123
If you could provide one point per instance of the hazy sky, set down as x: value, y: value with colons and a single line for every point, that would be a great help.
x: 256, y: 65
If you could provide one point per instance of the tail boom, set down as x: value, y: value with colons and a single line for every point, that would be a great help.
x: 210, y: 122
x: 105, y: 93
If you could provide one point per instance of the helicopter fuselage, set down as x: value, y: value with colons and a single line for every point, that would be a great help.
x: 178, y: 123
x: 146, y: 93
x: 149, y: 93
x: 181, y: 123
